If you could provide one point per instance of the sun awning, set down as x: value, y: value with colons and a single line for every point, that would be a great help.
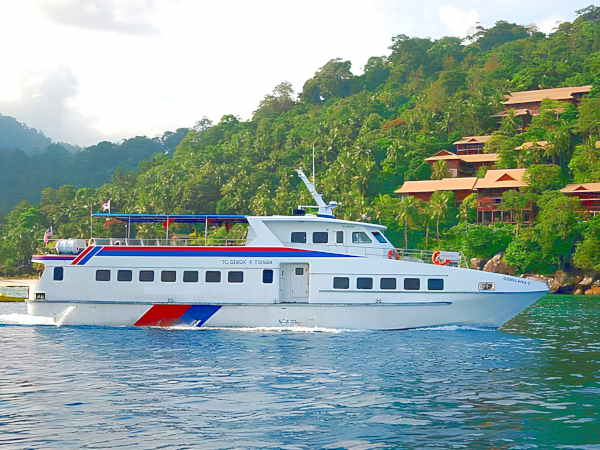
x: 216, y: 219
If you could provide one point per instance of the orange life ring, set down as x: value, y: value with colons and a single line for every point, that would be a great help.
x: 435, y: 258
x: 393, y: 254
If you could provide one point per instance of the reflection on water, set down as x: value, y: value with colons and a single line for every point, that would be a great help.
x: 534, y: 384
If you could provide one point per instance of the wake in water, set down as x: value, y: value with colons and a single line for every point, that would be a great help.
x: 266, y: 329
x: 25, y: 319
x: 454, y: 328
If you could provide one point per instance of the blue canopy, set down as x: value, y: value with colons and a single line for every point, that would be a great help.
x: 216, y: 219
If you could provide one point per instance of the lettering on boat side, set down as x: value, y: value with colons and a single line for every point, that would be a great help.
x: 517, y: 280
x: 288, y: 323
x: 247, y: 262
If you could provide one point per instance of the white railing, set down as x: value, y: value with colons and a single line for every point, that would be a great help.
x: 175, y: 242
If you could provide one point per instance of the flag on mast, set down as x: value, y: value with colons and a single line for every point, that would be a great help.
x: 47, y: 235
x: 106, y: 206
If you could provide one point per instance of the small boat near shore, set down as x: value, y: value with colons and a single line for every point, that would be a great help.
x: 303, y: 270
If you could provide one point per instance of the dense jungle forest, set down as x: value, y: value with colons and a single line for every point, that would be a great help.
x: 31, y: 161
x: 370, y: 132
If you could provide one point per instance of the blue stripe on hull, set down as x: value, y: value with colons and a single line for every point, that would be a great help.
x: 197, y: 315
x: 223, y: 253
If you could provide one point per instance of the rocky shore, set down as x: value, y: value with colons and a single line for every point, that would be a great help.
x: 560, y: 282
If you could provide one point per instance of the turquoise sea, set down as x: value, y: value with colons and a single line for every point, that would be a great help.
x: 533, y: 384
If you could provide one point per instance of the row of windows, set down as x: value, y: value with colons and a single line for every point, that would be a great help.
x: 322, y: 237
x: 170, y: 276
x: 189, y: 276
x: 410, y: 284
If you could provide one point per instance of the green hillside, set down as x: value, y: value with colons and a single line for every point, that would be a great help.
x: 370, y: 132
x: 26, y: 169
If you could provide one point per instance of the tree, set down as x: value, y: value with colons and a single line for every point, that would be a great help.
x: 500, y: 33
x: 587, y: 253
x: 20, y: 237
x: 439, y: 170
x: 333, y: 80
x: 439, y: 204
x: 407, y: 215
x: 544, y: 177
x: 278, y: 102
x: 585, y: 164
x: 468, y: 208
x: 557, y: 226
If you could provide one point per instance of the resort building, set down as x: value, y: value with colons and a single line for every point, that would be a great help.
x: 463, y: 165
x: 471, y: 145
x: 489, y: 195
x: 489, y: 191
x: 526, y: 104
x: 588, y: 194
x: 424, y: 189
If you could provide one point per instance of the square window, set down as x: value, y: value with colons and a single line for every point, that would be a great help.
x: 298, y: 237
x: 213, y: 276
x: 124, y: 275
x: 364, y: 283
x: 339, y: 237
x: 168, y: 276
x: 102, y: 275
x: 299, y: 270
x: 360, y: 237
x: 58, y: 274
x: 190, y: 276
x: 267, y: 276
x: 146, y: 275
x: 387, y: 283
x: 341, y: 282
x: 320, y: 237
x: 235, y: 276
x: 412, y: 284
x: 435, y: 284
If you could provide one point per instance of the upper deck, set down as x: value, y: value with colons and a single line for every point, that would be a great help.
x: 312, y: 233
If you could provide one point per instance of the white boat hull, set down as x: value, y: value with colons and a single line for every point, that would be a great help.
x: 482, y: 310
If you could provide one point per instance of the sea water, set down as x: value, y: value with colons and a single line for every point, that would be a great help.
x: 533, y: 384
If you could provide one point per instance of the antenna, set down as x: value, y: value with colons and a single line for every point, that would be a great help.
x: 325, y: 209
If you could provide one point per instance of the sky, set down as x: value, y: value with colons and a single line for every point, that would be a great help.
x: 83, y: 71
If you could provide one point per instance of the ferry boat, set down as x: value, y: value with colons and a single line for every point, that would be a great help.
x: 303, y: 270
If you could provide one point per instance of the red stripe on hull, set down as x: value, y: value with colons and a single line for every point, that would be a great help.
x: 205, y: 249
x: 82, y: 254
x: 162, y: 315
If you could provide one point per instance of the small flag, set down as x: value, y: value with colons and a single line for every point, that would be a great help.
x: 47, y: 235
x: 106, y: 206
x: 167, y: 222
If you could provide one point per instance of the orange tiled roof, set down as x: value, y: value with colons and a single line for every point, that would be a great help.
x: 442, y: 155
x: 473, y: 140
x: 445, y: 184
x: 516, y: 112
x: 502, y: 178
x: 565, y: 93
x: 581, y: 187
x: 482, y: 157
x: 528, y: 145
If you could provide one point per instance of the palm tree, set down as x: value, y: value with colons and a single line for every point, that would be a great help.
x: 407, y: 215
x: 439, y: 170
x: 439, y: 204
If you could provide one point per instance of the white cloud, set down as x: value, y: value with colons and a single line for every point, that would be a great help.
x: 103, y: 15
x: 44, y: 104
x: 549, y: 24
x: 458, y: 21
